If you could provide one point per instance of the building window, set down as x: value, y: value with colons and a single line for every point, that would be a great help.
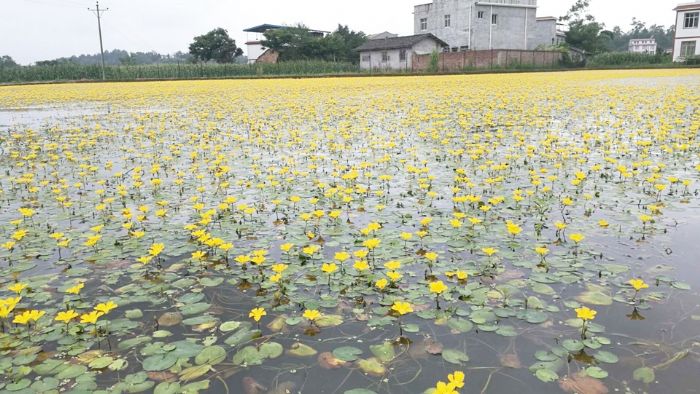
x: 424, y: 24
x: 494, y: 19
x: 464, y: 48
x: 688, y: 48
x: 402, y: 55
x: 448, y: 21
x: 480, y: 15
x: 366, y: 58
x: 691, y: 20
x: 385, y: 56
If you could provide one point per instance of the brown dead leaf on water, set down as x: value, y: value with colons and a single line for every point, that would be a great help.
x: 582, y: 384
x: 511, y: 360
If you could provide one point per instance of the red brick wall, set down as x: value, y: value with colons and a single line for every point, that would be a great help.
x: 457, y: 61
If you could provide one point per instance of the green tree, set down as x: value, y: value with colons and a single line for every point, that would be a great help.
x: 215, y: 46
x: 7, y: 61
x: 340, y: 45
x: 293, y: 43
x: 584, y: 31
x: 662, y: 35
x: 298, y: 43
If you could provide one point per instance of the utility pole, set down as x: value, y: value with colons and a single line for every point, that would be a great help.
x: 97, y: 11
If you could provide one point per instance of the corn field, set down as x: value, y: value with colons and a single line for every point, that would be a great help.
x: 75, y: 72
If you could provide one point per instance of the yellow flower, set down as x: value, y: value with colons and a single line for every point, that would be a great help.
x: 18, y: 235
x: 26, y: 212
x: 584, y: 313
x: 361, y: 253
x: 312, y: 314
x: 392, y: 265
x: 75, y: 289
x: 431, y: 256
x: 106, y: 307
x: 461, y: 275
x: 198, y: 255
x: 426, y: 221
x: 257, y: 314
x: 645, y: 218
x: 560, y: 225
x: 394, y: 275
x: 341, y: 256
x: 437, y: 287
x: 137, y: 234
x: 603, y: 223
x: 156, y: 249
x: 17, y: 287
x: 28, y: 316
x: 7, y: 305
x: 279, y: 268
x: 361, y: 265
x: 513, y: 229
x: 329, y: 268
x: 401, y: 308
x: 90, y: 317
x: 371, y: 243
x: 638, y: 284
x: 406, y: 236
x: 144, y: 259
x: 542, y: 250
x: 66, y: 316
x: 577, y: 237
x: 489, y: 251
x: 381, y: 283
x: 475, y: 221
x: 92, y: 240
x: 456, y: 379
x: 9, y: 245
x: 444, y: 388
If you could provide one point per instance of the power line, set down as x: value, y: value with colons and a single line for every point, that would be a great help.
x: 98, y: 13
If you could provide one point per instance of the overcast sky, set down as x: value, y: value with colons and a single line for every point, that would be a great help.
x: 32, y: 30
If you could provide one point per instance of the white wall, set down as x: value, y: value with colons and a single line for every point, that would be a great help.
x: 375, y: 61
x: 683, y: 34
x: 254, y: 52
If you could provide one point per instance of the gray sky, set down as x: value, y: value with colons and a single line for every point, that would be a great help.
x: 32, y: 30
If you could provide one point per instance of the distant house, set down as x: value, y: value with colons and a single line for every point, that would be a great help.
x: 380, y: 36
x: 257, y: 53
x: 643, y: 45
x: 687, y: 41
x: 396, y: 53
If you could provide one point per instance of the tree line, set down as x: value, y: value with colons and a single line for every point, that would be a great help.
x: 586, y: 33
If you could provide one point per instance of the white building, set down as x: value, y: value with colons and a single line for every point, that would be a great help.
x: 687, y: 41
x: 486, y: 24
x: 643, y: 45
x: 396, y: 53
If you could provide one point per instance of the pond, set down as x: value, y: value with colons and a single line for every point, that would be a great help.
x: 495, y: 233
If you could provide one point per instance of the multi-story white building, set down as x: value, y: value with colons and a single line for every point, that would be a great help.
x: 687, y: 41
x: 486, y: 24
x: 643, y: 45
